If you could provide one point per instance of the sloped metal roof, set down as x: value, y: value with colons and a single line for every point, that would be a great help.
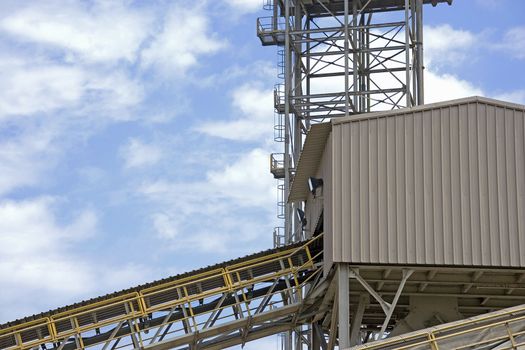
x: 430, y: 106
x: 309, y: 161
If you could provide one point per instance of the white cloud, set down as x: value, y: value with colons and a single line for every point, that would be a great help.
x: 517, y: 96
x: 34, y: 245
x: 28, y: 90
x: 245, y: 6
x: 442, y: 87
x: 88, y: 32
x: 29, y: 227
x: 185, y: 34
x: 24, y: 159
x: 514, y: 42
x: 247, y: 181
x: 233, y: 203
x: 46, y: 106
x: 216, y: 232
x: 165, y: 225
x: 40, y: 256
x: 33, y: 86
x: 260, y: 70
x: 445, y: 45
x: 137, y: 154
x: 114, y: 91
x: 255, y: 123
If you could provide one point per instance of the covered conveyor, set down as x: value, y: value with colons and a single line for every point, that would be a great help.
x: 263, y: 294
x: 211, y: 308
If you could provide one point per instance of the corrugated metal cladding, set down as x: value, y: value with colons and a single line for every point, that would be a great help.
x: 442, y: 186
x: 314, y: 205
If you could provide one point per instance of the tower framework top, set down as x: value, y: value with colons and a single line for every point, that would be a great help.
x: 322, y: 8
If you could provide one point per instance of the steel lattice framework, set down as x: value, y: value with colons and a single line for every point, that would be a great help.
x: 338, y: 58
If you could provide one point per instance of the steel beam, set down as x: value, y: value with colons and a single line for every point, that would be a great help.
x: 357, y: 320
x: 343, y: 292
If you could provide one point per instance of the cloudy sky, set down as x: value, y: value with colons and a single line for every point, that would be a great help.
x: 134, y: 135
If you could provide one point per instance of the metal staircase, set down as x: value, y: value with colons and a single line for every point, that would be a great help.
x: 212, y: 308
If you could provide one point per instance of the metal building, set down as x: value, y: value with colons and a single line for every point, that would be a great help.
x: 439, y: 184
x: 423, y: 213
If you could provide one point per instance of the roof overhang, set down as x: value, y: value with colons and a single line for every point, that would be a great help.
x: 309, y: 160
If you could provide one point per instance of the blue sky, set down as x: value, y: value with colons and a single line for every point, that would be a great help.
x: 134, y: 136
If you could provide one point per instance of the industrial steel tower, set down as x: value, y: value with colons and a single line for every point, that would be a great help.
x: 337, y: 58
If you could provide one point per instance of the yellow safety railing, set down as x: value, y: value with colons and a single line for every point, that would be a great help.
x: 503, y: 324
x: 129, y: 308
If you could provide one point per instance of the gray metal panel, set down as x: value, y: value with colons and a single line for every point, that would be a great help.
x: 314, y: 207
x: 308, y: 164
x: 327, y: 202
x: 443, y: 186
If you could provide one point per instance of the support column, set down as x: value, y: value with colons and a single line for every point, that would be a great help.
x: 288, y: 336
x: 355, y: 58
x: 343, y: 296
x: 296, y: 91
x: 407, y: 54
x: 318, y: 341
x: 287, y: 126
x: 346, y: 58
x: 357, y: 319
x: 419, y: 43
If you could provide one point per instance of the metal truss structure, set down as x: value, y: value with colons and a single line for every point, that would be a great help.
x: 503, y: 330
x: 338, y: 58
x: 214, y: 308
x: 362, y: 304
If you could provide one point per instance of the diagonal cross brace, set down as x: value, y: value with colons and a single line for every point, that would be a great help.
x: 354, y: 273
x: 388, y: 308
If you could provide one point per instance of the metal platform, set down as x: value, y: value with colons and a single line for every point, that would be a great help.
x: 395, y: 300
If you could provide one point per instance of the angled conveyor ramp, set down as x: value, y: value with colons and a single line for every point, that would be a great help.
x: 499, y: 330
x: 212, y: 308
